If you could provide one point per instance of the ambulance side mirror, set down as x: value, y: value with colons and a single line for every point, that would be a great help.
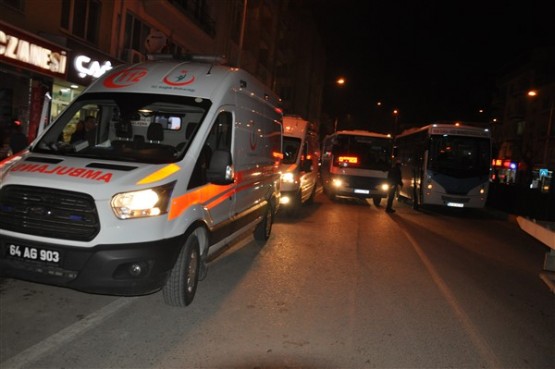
x: 220, y: 170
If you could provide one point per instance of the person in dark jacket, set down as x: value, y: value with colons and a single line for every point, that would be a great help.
x: 18, y: 139
x: 394, y: 179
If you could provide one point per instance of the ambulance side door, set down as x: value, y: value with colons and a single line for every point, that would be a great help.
x: 222, y: 195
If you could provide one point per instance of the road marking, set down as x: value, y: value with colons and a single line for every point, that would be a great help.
x: 33, y: 353
x: 479, y: 342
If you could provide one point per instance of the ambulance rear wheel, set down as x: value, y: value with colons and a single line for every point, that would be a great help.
x: 264, y: 228
x: 181, y: 286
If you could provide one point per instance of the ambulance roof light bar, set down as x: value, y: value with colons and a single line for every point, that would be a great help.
x: 198, y: 58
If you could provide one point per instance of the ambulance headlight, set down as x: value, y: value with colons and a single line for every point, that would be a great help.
x: 288, y: 177
x: 6, y: 164
x: 144, y: 203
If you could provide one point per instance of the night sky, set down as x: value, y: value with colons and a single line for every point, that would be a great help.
x: 432, y: 60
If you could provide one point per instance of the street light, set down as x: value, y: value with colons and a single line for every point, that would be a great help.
x: 340, y: 82
x: 396, y: 114
x: 534, y: 93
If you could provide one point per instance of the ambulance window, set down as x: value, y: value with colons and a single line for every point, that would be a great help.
x: 219, y: 138
x: 223, y: 131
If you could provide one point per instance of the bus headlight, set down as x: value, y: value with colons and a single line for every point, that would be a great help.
x: 144, y: 203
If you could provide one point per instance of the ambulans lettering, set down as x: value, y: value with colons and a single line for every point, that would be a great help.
x: 85, y: 173
x: 125, y: 78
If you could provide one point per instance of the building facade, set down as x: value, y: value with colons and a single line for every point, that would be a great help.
x: 525, y: 134
x: 52, y: 50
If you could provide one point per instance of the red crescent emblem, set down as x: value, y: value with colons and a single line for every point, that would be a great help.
x: 181, y: 79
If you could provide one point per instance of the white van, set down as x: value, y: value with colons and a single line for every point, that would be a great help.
x: 183, y: 160
x: 299, y: 166
x: 355, y: 164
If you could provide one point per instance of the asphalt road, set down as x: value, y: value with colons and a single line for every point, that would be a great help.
x: 343, y: 285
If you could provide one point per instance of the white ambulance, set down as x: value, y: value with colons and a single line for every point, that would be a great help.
x: 177, y: 160
x: 299, y: 166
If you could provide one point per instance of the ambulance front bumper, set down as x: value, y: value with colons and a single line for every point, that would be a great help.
x: 116, y: 269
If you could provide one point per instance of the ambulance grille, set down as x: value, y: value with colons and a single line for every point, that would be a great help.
x: 48, y: 212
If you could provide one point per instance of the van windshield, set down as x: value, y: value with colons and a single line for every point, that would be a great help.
x: 290, y: 149
x: 362, y: 152
x: 147, y: 128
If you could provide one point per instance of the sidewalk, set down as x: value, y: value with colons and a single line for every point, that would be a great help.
x: 544, y: 232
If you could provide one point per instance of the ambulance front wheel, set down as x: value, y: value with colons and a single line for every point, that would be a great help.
x: 264, y: 228
x: 181, y: 286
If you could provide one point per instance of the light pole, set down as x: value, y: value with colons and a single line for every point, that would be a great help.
x: 340, y: 82
x: 396, y: 122
x: 534, y: 93
x: 242, y: 36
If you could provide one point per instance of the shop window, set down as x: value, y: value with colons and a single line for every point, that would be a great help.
x: 81, y: 18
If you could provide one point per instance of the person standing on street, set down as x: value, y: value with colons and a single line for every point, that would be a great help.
x: 394, y: 179
x: 18, y: 139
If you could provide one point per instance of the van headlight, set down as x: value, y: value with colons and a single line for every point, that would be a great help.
x: 288, y: 177
x: 149, y: 202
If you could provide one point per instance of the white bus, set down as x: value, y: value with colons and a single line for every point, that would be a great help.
x: 355, y: 164
x: 445, y: 164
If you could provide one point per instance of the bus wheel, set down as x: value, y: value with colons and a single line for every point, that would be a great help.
x: 181, y: 286
x: 377, y: 201
x: 264, y: 228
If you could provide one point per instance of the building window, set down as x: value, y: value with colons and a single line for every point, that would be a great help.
x: 81, y: 18
x: 135, y: 36
x: 198, y: 11
x: 16, y: 4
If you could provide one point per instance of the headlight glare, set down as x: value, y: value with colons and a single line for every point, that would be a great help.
x: 143, y: 203
x: 288, y: 177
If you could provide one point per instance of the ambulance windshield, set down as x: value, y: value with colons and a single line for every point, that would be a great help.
x: 148, y: 128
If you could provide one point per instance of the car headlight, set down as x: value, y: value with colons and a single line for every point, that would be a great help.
x: 144, y: 203
x: 385, y: 187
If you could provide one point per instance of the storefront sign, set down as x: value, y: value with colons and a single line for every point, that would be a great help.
x: 30, y: 52
x: 85, y: 66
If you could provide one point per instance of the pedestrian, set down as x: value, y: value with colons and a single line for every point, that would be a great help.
x: 394, y: 179
x: 5, y: 149
x: 18, y: 139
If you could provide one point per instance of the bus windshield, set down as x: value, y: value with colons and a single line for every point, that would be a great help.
x: 459, y: 156
x: 363, y: 152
